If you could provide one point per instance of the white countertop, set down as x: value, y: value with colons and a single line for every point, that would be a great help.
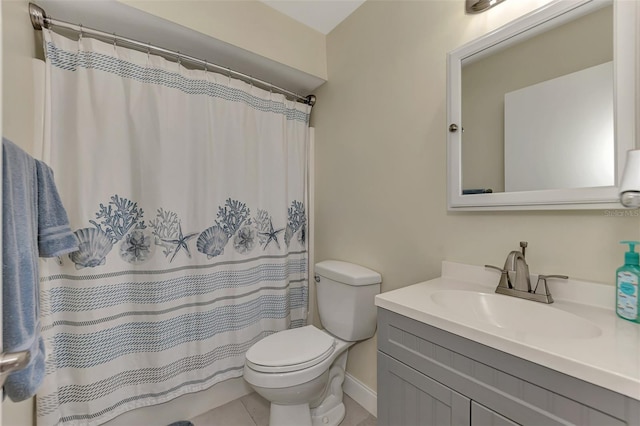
x: 610, y: 360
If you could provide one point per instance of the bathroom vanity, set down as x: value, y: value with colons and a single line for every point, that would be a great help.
x: 451, y: 352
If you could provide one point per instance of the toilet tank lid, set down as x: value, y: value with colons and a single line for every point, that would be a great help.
x: 347, y: 273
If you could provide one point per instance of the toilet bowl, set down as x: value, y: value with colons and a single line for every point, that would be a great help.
x: 301, y: 370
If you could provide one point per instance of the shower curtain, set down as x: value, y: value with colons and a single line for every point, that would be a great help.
x: 186, y: 192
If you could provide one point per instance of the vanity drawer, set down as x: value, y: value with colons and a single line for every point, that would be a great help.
x: 522, y: 391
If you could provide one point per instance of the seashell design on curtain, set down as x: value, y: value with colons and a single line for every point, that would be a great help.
x: 187, y: 193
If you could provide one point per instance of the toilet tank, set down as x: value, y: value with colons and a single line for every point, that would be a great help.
x: 345, y: 293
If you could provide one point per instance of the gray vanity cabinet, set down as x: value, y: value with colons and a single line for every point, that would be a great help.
x: 417, y: 399
x: 427, y: 376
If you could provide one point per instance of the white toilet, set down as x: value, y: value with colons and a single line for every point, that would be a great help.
x: 300, y: 371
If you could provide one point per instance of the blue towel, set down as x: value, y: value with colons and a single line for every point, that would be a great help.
x: 34, y: 223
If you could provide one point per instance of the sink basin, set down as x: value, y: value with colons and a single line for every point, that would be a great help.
x: 510, y: 313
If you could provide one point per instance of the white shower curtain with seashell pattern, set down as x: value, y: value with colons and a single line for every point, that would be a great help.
x: 187, y: 193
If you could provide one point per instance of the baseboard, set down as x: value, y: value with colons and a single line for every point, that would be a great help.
x: 361, y: 394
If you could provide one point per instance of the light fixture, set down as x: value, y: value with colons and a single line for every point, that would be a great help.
x: 630, y: 183
x: 477, y: 6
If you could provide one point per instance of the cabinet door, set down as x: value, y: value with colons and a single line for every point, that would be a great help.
x: 482, y: 416
x: 407, y: 397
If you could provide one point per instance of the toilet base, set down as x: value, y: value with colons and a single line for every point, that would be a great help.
x: 325, y: 409
x: 329, y: 410
x: 333, y: 417
x: 300, y: 415
x: 290, y: 415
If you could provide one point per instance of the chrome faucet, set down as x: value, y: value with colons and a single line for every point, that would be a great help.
x: 515, y: 280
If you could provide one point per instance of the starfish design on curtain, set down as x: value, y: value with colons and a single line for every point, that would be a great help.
x: 272, y: 235
x: 181, y: 242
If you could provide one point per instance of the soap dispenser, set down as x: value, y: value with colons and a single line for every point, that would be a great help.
x: 627, y: 280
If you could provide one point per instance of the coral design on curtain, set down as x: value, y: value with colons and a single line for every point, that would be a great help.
x: 186, y: 192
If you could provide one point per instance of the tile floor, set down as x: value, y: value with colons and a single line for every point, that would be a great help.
x: 253, y: 410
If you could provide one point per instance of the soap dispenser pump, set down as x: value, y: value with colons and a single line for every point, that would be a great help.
x: 627, y: 280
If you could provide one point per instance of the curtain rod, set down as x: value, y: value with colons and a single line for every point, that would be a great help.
x: 39, y: 20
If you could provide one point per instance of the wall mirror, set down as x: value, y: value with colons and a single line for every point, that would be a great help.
x: 541, y: 111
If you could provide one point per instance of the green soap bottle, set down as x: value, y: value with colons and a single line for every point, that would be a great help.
x: 627, y: 281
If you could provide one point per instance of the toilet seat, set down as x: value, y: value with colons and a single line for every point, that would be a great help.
x: 290, y: 350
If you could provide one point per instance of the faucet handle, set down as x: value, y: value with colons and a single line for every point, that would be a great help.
x: 562, y: 277
x: 504, y: 271
x: 543, y: 279
x: 505, y: 280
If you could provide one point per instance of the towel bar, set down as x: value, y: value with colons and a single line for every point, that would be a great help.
x: 10, y: 362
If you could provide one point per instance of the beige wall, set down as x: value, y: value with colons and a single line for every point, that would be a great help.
x: 381, y: 162
x: 18, y: 48
x: 250, y: 25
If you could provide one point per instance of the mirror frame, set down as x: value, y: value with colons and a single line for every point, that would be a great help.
x: 626, y: 34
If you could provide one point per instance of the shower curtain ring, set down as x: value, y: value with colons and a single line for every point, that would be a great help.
x: 205, y: 66
x: 179, y: 59
x: 80, y: 40
x: 114, y: 41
